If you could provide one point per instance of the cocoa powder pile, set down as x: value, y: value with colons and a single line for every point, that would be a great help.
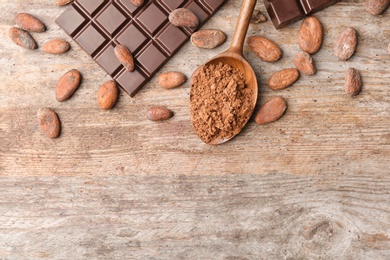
x: 220, y: 102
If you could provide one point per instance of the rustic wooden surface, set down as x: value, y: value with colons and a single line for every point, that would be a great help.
x: 314, y: 185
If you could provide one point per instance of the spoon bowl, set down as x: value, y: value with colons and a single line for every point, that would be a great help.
x: 238, y: 62
x: 234, y: 57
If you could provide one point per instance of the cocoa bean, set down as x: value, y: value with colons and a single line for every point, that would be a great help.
x: 258, y: 17
x: 56, y: 46
x: 159, y: 113
x: 304, y: 63
x: 22, y: 38
x: 208, y: 39
x: 283, y: 79
x: 29, y: 23
x: 49, y: 122
x: 183, y: 17
x: 310, y: 35
x: 125, y: 57
x: 67, y: 85
x: 137, y: 2
x: 107, y: 95
x: 353, y: 82
x: 376, y: 7
x: 171, y: 79
x: 271, y: 111
x: 264, y: 48
x: 63, y: 2
x: 345, y: 45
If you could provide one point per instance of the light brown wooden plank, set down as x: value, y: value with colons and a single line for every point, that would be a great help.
x: 274, y: 216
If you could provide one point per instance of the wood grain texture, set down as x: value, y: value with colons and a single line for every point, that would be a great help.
x: 314, y: 185
x: 273, y: 216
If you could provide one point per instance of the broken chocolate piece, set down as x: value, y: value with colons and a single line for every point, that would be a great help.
x: 285, y: 12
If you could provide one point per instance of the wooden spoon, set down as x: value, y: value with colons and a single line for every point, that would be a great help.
x: 234, y: 57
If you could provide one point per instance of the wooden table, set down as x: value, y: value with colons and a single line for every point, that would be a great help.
x: 314, y: 185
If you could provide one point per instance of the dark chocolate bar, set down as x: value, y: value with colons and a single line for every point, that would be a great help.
x: 99, y: 25
x: 285, y: 12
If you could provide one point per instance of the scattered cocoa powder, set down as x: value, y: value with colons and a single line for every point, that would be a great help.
x: 220, y: 102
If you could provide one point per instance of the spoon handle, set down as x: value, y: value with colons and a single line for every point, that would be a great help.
x: 244, y: 19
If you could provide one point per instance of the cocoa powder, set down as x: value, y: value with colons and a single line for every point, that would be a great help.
x: 220, y: 102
